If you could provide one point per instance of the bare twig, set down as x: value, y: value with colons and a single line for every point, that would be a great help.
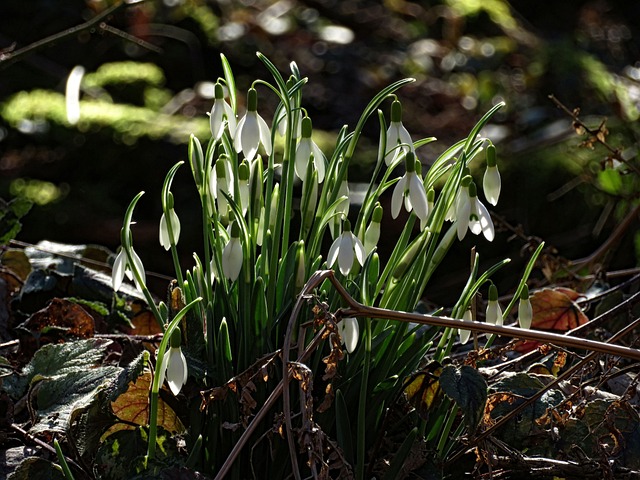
x: 98, y: 22
x: 595, y: 134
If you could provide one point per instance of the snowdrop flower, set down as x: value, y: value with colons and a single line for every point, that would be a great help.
x: 174, y: 365
x: 121, y: 268
x: 372, y: 235
x: 525, y: 310
x: 461, y: 196
x: 252, y: 130
x: 410, y: 188
x: 349, y: 331
x: 491, y: 181
x: 170, y: 214
x: 473, y: 215
x: 344, y: 249
x: 465, y: 334
x: 232, y: 254
x: 494, y: 312
x: 397, y: 134
x: 221, y: 111
x: 306, y: 148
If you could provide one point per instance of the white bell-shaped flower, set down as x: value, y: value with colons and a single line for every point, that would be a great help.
x: 491, y: 182
x: 525, y: 310
x: 372, y: 234
x: 220, y: 112
x: 174, y: 364
x: 411, y: 188
x: 165, y: 239
x: 306, y: 148
x: 465, y: 334
x: 221, y: 180
x: 494, y: 312
x: 473, y: 215
x: 252, y: 130
x: 232, y: 256
x: 121, y: 268
x: 349, y: 333
x: 397, y: 134
x: 344, y: 249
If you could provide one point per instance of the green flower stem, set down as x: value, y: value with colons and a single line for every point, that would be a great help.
x: 63, y: 461
x: 155, y: 386
x: 362, y: 404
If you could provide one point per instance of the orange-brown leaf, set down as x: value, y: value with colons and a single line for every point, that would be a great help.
x: 133, y: 407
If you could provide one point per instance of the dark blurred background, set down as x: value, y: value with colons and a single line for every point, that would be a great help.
x: 466, y: 55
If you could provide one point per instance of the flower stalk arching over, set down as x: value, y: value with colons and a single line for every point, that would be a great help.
x: 397, y: 135
x: 345, y: 249
x: 221, y: 112
x: 491, y: 182
x: 306, y: 148
x: 494, y: 312
x: 174, y: 364
x: 252, y: 130
x: 411, y: 188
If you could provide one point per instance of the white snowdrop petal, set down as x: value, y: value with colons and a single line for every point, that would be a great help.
x: 250, y: 135
x: 491, y: 185
x: 418, y: 197
x: 303, y: 152
x: 346, y: 253
x: 358, y: 249
x: 462, y: 215
x: 350, y: 333
x: 319, y: 160
x: 119, y: 267
x: 176, y: 370
x: 525, y: 314
x: 333, y: 252
x: 237, y: 138
x: 397, y: 197
x: 231, y: 119
x: 140, y: 268
x: 164, y: 233
x: 265, y: 134
x: 486, y: 223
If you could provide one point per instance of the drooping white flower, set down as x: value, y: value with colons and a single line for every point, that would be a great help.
x: 165, y: 239
x: 411, y: 188
x: 465, y: 334
x: 220, y: 112
x: 252, y: 130
x: 473, y: 215
x: 462, y: 195
x: 306, y: 148
x: 349, y: 333
x: 372, y: 234
x: 232, y: 256
x: 491, y: 182
x: 345, y: 249
x: 494, y: 312
x: 121, y: 267
x: 174, y: 364
x: 397, y: 134
x: 525, y: 310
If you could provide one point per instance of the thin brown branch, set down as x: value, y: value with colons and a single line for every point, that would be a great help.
x: 615, y: 152
x: 7, y: 58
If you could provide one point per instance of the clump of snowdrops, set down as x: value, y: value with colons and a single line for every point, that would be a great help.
x: 258, y: 253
